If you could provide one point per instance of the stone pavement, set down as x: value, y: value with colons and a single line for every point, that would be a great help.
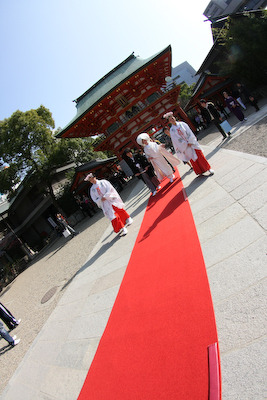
x: 230, y: 213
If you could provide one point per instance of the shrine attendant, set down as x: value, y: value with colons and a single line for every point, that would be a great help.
x: 158, y: 156
x: 186, y: 145
x: 107, y: 198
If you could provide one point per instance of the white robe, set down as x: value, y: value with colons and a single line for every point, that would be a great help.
x: 154, y: 154
x: 103, y: 188
x: 181, y: 136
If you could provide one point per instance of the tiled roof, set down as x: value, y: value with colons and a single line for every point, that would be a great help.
x: 109, y: 82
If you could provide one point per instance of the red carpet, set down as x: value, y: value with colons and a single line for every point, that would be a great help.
x: 155, y: 345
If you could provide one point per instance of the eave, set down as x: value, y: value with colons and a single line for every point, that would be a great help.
x: 98, y: 92
x: 83, y: 170
x: 206, y: 86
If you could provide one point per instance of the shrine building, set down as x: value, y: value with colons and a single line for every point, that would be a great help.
x: 129, y: 100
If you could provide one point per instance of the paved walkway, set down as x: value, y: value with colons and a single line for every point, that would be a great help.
x: 230, y: 212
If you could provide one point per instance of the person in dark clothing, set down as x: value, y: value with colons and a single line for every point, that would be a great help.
x: 254, y: 102
x: 121, y: 175
x: 221, y: 108
x: 234, y: 106
x: 214, y: 115
x: 87, y: 206
x: 143, y: 169
x: 244, y: 92
x: 9, y: 319
x: 65, y: 225
x: 238, y: 95
x: 147, y: 166
x: 205, y: 116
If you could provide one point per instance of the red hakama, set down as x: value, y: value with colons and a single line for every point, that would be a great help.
x: 120, y: 218
x: 201, y: 164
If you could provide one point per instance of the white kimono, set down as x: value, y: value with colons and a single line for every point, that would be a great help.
x: 103, y: 188
x: 181, y: 136
x: 154, y: 154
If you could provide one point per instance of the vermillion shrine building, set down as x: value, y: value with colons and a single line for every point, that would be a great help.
x: 129, y: 100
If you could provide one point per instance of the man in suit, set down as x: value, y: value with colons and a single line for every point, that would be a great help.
x: 214, y: 115
x: 143, y: 169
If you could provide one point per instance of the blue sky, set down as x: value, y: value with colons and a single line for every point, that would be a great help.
x: 52, y: 51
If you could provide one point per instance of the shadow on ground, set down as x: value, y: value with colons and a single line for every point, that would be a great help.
x: 142, y: 200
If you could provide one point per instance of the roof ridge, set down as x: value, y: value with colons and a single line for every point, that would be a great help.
x: 104, y: 77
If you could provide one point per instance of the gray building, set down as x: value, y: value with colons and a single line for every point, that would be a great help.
x: 217, y: 8
x: 182, y: 73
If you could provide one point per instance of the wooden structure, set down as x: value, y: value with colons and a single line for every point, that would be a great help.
x: 130, y: 99
x: 105, y: 168
x: 209, y: 87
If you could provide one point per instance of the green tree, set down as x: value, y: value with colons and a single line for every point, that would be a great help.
x: 244, y: 42
x: 29, y: 147
x: 185, y: 94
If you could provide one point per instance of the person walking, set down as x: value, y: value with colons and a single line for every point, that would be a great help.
x: 107, y: 198
x: 142, y: 169
x: 234, y: 106
x: 159, y: 157
x: 9, y: 319
x: 186, y: 145
x: 214, y: 115
x: 13, y: 341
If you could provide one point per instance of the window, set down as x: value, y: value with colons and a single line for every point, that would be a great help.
x: 215, y: 11
x: 132, y: 111
x: 152, y: 97
x: 122, y: 101
x: 112, y: 128
x: 251, y: 5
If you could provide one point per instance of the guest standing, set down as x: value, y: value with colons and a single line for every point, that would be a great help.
x: 142, y: 169
x: 247, y: 95
x: 65, y: 225
x: 214, y: 115
x: 222, y: 110
x: 234, y: 106
x: 238, y: 94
